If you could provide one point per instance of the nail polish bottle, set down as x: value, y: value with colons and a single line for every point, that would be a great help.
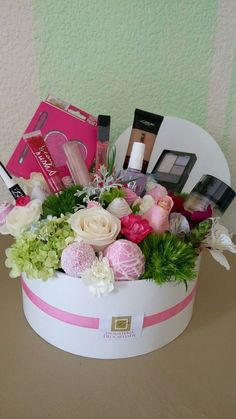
x: 133, y: 176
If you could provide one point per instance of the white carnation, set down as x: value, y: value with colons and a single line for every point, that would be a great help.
x: 99, y: 277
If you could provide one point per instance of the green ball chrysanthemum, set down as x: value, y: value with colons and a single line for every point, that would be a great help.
x: 168, y: 257
x: 63, y: 203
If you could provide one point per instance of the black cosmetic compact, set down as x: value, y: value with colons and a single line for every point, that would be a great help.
x: 173, y: 168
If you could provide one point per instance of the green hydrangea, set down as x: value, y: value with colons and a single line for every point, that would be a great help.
x: 37, y: 251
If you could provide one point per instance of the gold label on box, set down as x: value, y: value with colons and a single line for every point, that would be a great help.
x: 121, y: 327
x: 121, y: 324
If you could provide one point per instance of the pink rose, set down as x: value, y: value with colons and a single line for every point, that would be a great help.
x: 135, y: 228
x: 158, y: 214
x: 157, y: 192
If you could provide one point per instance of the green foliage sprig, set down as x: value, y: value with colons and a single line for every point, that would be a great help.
x: 135, y: 207
x: 167, y: 256
x: 198, y: 233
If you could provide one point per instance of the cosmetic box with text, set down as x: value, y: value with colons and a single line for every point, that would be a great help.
x: 58, y: 122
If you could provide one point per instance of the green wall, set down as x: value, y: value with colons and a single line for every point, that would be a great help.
x: 112, y: 56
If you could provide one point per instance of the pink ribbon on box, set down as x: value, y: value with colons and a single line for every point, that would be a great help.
x: 93, y: 322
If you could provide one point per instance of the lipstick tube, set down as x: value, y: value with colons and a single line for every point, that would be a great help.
x: 39, y: 124
x: 37, y: 146
x: 76, y: 163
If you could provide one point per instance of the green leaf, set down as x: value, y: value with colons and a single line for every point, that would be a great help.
x: 110, y: 159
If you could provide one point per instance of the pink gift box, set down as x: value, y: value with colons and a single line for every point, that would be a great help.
x: 59, y: 122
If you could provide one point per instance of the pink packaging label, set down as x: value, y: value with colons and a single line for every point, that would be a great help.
x: 58, y: 122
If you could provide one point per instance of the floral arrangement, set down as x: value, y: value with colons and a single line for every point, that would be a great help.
x: 103, y: 233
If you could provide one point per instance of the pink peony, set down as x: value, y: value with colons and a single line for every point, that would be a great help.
x: 135, y: 228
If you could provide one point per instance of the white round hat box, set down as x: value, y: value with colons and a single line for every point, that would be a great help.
x: 135, y: 318
x: 138, y: 316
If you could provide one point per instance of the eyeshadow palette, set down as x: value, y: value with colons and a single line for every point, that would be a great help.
x: 173, y: 168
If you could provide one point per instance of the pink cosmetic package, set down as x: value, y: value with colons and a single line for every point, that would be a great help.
x: 58, y: 122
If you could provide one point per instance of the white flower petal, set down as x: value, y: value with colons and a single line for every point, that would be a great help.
x: 225, y: 243
x: 178, y: 223
x: 220, y: 258
x: 218, y: 238
x: 3, y: 229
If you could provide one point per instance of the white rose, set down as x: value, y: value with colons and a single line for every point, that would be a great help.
x: 99, y: 277
x: 95, y: 226
x: 21, y: 217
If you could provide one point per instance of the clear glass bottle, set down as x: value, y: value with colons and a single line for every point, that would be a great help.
x: 210, y: 191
